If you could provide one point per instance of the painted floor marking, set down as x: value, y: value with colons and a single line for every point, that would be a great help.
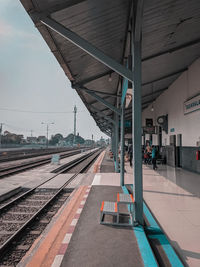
x: 57, y: 261
x: 79, y: 211
x: 67, y: 238
x: 64, y: 245
x: 97, y: 179
x: 74, y: 222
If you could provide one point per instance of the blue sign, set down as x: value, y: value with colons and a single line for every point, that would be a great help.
x: 127, y: 124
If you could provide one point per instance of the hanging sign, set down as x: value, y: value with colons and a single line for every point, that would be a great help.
x: 192, y: 105
x: 149, y: 130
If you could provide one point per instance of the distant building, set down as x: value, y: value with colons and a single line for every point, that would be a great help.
x: 89, y: 142
x: 101, y: 142
x: 42, y: 140
x: 32, y: 140
x: 12, y: 138
x: 23, y: 141
x: 62, y: 143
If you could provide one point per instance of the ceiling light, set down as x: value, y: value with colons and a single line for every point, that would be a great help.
x: 110, y: 78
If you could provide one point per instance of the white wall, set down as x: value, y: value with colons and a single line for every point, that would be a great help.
x: 171, y: 102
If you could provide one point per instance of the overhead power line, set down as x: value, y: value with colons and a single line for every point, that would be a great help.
x: 40, y: 112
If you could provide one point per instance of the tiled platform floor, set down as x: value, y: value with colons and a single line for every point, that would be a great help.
x: 173, y: 196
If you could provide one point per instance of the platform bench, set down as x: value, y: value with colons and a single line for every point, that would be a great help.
x: 128, y: 200
x: 112, y: 208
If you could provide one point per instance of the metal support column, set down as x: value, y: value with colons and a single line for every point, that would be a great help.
x: 116, y: 143
x: 112, y: 141
x: 122, y: 147
x: 136, y: 110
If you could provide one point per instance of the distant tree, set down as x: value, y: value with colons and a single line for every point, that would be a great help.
x: 55, y: 139
x: 78, y: 139
x: 11, y: 138
x: 69, y: 139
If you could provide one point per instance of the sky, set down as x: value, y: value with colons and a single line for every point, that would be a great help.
x: 33, y: 86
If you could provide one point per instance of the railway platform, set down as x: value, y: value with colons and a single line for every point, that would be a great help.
x: 75, y: 236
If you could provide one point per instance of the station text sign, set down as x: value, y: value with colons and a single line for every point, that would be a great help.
x: 192, y: 105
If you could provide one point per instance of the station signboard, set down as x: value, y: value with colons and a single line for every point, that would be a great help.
x: 149, y: 130
x: 192, y: 105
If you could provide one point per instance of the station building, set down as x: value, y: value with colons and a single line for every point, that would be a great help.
x: 180, y: 103
x: 131, y: 62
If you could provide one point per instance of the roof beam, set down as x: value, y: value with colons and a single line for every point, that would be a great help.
x: 96, y: 101
x: 165, y: 76
x: 155, y: 92
x: 102, y: 121
x: 149, y: 101
x: 104, y: 102
x: 144, y: 106
x: 101, y: 126
x: 174, y: 49
x: 106, y: 131
x: 103, y: 115
x: 102, y: 110
x: 78, y: 86
x: 58, y: 7
x: 84, y: 45
x: 93, y: 78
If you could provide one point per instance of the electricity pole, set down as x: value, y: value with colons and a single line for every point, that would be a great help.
x: 75, y: 111
x: 47, y: 124
x: 1, y: 126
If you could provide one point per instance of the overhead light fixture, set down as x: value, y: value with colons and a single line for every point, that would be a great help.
x: 152, y: 108
x: 110, y: 77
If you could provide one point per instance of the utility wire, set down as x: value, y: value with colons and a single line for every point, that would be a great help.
x: 40, y: 112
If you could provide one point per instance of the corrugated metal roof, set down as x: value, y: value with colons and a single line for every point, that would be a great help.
x: 171, y: 42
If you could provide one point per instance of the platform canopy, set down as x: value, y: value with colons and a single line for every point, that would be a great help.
x: 170, y: 43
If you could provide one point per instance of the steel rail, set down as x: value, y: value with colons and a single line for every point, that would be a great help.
x: 28, y: 165
x: 5, y: 245
x: 21, y: 155
x: 67, y: 167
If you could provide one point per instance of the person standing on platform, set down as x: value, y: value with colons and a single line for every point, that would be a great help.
x: 148, y: 151
x: 153, y: 155
x: 130, y: 153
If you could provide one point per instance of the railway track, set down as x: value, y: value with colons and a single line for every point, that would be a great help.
x: 31, y: 164
x: 25, y: 154
x: 19, y: 214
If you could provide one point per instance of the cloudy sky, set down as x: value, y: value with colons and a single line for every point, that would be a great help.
x: 33, y: 87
